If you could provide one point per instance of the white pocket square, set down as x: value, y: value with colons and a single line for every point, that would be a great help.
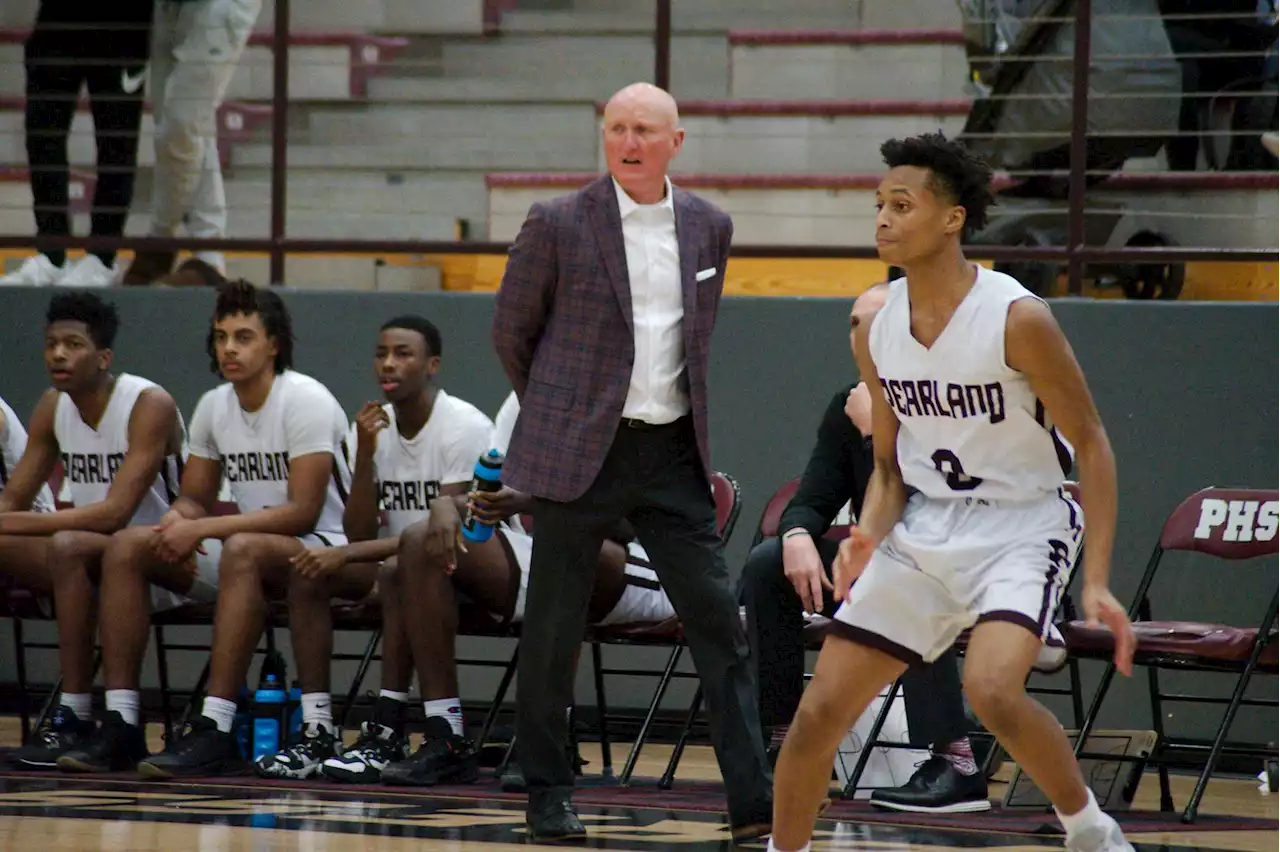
x: 705, y: 274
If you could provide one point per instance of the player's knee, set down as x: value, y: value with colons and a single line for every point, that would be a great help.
x: 818, y: 714
x: 239, y: 558
x: 413, y: 542
x: 308, y: 588
x: 65, y: 555
x: 389, y: 579
x: 993, y: 695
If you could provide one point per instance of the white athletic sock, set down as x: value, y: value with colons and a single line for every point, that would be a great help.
x: 80, y: 703
x: 221, y: 711
x: 402, y: 697
x: 772, y: 848
x: 317, y: 709
x: 449, y: 709
x: 1087, y: 817
x: 126, y: 702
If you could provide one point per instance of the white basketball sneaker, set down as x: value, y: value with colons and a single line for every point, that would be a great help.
x: 1106, y: 836
x: 36, y: 271
x: 89, y: 271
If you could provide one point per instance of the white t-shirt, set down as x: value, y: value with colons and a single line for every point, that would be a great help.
x: 970, y: 425
x: 408, y: 472
x: 91, y: 457
x: 299, y: 418
x: 13, y: 443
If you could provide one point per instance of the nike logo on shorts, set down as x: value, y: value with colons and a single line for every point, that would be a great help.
x: 131, y: 83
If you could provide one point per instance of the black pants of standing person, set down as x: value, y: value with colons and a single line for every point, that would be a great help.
x: 775, y: 621
x: 654, y: 478
x: 104, y: 47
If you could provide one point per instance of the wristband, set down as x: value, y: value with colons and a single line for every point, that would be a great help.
x: 794, y: 531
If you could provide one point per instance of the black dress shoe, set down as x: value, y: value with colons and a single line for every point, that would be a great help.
x: 936, y: 788
x: 551, y: 816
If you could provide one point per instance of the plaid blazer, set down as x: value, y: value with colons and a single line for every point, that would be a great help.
x: 562, y: 328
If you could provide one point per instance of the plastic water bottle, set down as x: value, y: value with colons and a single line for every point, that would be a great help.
x: 487, y: 477
x: 268, y: 704
x: 269, y: 708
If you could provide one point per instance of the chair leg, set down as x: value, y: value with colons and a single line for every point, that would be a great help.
x: 190, y: 710
x: 669, y: 777
x: 508, y: 675
x: 162, y: 673
x: 504, y: 685
x: 1237, y: 695
x: 356, y: 682
x: 643, y: 734
x: 1104, y: 684
x: 1157, y: 723
x: 20, y: 663
x: 1077, y: 691
x: 873, y: 736
x: 602, y: 710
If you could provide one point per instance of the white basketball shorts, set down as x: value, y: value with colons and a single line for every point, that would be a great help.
x: 643, y: 601
x: 205, y: 587
x: 949, y: 564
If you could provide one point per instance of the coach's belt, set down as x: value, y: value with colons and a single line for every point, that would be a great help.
x: 641, y: 425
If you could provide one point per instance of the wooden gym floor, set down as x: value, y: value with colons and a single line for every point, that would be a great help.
x: 49, y: 812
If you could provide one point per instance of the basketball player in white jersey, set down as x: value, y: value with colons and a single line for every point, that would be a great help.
x: 965, y: 522
x: 422, y: 444
x: 119, y: 438
x: 494, y: 573
x: 276, y: 435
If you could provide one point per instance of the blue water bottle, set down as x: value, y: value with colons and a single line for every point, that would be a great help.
x: 487, y: 477
x: 269, y: 706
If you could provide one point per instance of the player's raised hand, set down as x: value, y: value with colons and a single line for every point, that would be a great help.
x: 851, y: 561
x: 371, y: 420
x: 1102, y: 609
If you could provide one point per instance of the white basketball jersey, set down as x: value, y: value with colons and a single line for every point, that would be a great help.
x: 13, y: 443
x: 410, y: 471
x: 91, y: 457
x: 970, y: 425
x: 299, y: 418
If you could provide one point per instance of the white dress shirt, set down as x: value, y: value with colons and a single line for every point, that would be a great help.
x: 659, y: 391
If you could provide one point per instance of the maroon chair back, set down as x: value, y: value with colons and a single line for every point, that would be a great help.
x: 727, y: 496
x: 1230, y: 523
x: 772, y: 515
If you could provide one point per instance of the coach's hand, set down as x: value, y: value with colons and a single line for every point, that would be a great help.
x: 371, y: 420
x: 1102, y: 609
x: 316, y: 562
x: 492, y: 507
x: 803, y: 567
x: 851, y: 561
x: 444, y: 533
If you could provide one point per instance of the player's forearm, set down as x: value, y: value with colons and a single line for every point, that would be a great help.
x: 189, y: 508
x: 288, y: 519
x: 103, y: 517
x: 1098, y: 489
x: 885, y: 500
x: 360, y: 518
x: 371, y: 551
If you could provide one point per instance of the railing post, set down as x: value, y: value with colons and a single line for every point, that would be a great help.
x: 279, y: 137
x: 662, y: 46
x: 1079, y: 146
